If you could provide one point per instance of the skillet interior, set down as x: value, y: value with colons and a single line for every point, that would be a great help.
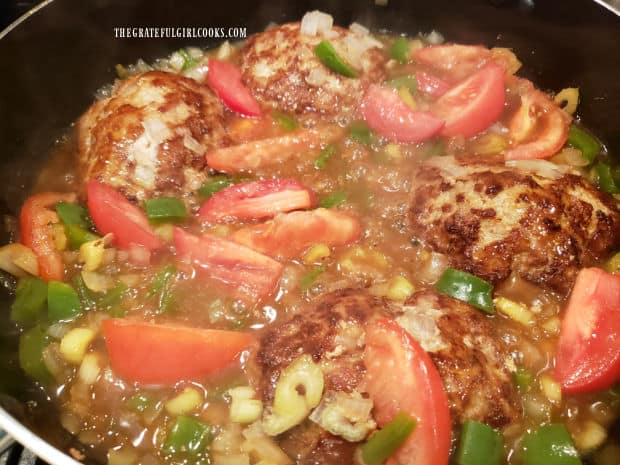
x: 53, y: 63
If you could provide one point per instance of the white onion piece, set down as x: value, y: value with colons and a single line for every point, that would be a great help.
x: 358, y: 29
x: 316, y: 22
x: 542, y: 168
x: 434, y: 38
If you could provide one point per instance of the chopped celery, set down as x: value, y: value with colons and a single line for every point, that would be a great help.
x: 188, y: 436
x: 30, y: 299
x: 63, y: 302
x: 384, y: 442
x: 214, y: 185
x: 165, y: 209
x: 333, y: 200
x: 330, y: 58
x: 31, y: 346
x: 480, y: 444
x: 326, y: 154
x: 400, y: 50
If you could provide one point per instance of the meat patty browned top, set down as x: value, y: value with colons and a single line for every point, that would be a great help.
x: 537, y: 219
x: 150, y: 136
x: 283, y: 71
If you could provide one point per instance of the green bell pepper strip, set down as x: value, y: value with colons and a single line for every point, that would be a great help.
x: 550, y: 445
x: 308, y: 279
x: 360, y: 132
x: 31, y: 346
x: 188, y: 436
x: 188, y: 61
x: 468, y: 288
x: 77, y: 235
x: 162, y: 288
x: 30, y: 300
x: 325, y: 155
x: 384, y: 442
x: 88, y: 300
x: 285, y: 121
x: 588, y: 145
x: 112, y: 297
x: 408, y: 82
x: 63, y: 302
x: 479, y: 444
x: 214, y: 185
x: 333, y: 200
x: 165, y: 209
x: 522, y: 379
x: 400, y: 50
x: 330, y: 58
x: 607, y: 180
x: 73, y: 214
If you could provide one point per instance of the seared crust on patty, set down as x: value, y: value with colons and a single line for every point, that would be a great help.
x: 283, y: 71
x: 469, y: 354
x: 150, y: 136
x: 534, y: 218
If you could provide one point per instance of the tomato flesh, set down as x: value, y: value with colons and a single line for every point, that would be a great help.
x: 474, y: 104
x: 431, y: 84
x: 225, y: 80
x: 160, y: 354
x: 400, y: 376
x: 388, y: 115
x: 291, y: 234
x: 256, y: 200
x: 588, y: 357
x: 244, y: 273
x: 454, y: 60
x: 113, y: 213
x: 36, y: 218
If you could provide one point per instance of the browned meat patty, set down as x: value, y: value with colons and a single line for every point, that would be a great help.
x: 470, y: 356
x: 282, y: 70
x: 150, y: 136
x: 534, y: 218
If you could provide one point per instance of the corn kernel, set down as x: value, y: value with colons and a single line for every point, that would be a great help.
x: 74, y: 344
x: 188, y: 400
x: 514, y: 310
x: 399, y: 289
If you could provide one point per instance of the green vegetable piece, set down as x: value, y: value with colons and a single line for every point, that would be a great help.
x: 139, y: 402
x: 588, y: 145
x: 330, y: 58
x: 468, y: 288
x: 308, y: 279
x: 162, y: 288
x: 31, y: 346
x: 607, y: 179
x: 188, y: 436
x: 112, y: 298
x: 400, y: 50
x: 214, y: 185
x: 384, y: 442
x: 63, y: 302
x: 77, y: 235
x: 73, y: 214
x: 188, y: 61
x: 360, y: 132
x: 522, y: 379
x: 165, y: 209
x: 30, y: 299
x: 550, y: 445
x: 333, y: 200
x: 408, y: 82
x: 286, y: 121
x: 324, y: 156
x: 480, y: 444
x: 87, y: 297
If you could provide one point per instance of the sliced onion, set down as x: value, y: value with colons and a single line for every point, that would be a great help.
x: 543, y: 168
x: 316, y: 22
x: 97, y: 282
x: 18, y: 260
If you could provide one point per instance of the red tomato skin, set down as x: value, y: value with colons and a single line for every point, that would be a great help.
x: 400, y: 376
x: 388, y: 115
x: 34, y: 219
x: 473, y: 105
x: 289, y: 235
x: 244, y: 273
x: 113, y: 213
x: 588, y: 357
x: 155, y: 354
x: 257, y: 200
x: 431, y: 84
x: 454, y: 60
x: 225, y: 80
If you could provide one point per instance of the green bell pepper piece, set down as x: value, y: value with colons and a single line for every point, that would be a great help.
x: 550, y: 445
x: 308, y: 279
x: 286, y: 121
x: 607, y: 179
x: 333, y: 200
x: 330, y: 58
x: 522, y: 379
x: 468, y: 288
x: 400, y: 50
x: 581, y: 140
x: 165, y: 209
x: 73, y: 214
x: 188, y: 436
x: 161, y: 287
x: 480, y: 444
x: 214, y: 185
x: 77, y: 235
x: 63, y: 302
x: 31, y: 346
x: 384, y: 442
x: 324, y: 156
x: 30, y: 299
x: 360, y: 132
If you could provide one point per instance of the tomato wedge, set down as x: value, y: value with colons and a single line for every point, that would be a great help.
x: 291, y: 234
x: 400, y: 377
x: 388, y: 115
x: 257, y: 199
x: 474, y: 104
x: 539, y: 128
x: 160, y: 354
x: 588, y: 357
x: 244, y: 273
x: 430, y: 84
x: 225, y: 80
x: 113, y: 213
x: 455, y: 61
x: 35, y: 220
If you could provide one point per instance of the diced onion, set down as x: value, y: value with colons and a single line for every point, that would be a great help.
x: 18, y: 260
x: 551, y: 388
x: 97, y: 282
x: 590, y: 437
x: 89, y: 369
x: 316, y: 22
x: 74, y: 344
x: 91, y: 254
x: 543, y: 168
x: 124, y: 456
x: 357, y: 28
x: 262, y: 447
x: 570, y: 156
x: 434, y: 38
x: 232, y: 459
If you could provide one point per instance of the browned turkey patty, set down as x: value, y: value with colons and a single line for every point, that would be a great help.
x: 150, y: 136
x: 283, y: 71
x: 469, y: 355
x: 533, y: 218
